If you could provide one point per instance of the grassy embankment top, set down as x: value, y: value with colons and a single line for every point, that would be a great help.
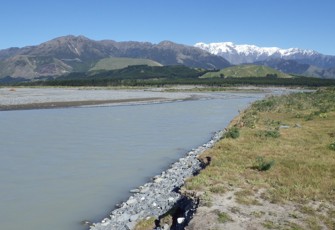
x: 281, y: 151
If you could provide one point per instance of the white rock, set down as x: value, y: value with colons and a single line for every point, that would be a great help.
x: 180, y: 220
x: 158, y: 180
x: 131, y: 201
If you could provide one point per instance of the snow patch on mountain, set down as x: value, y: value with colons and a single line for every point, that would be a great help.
x: 238, y: 54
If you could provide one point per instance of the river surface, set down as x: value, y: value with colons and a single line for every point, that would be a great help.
x: 62, y: 166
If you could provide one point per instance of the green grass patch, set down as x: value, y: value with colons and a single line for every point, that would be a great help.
x: 268, y: 133
x: 242, y: 71
x: 233, y: 132
x: 223, y: 217
x: 113, y: 63
x: 332, y: 146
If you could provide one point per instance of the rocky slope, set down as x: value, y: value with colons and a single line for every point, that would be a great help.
x: 294, y: 67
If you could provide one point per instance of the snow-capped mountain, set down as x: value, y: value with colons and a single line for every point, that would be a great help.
x: 238, y: 54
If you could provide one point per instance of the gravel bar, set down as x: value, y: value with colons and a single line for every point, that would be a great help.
x: 41, y: 98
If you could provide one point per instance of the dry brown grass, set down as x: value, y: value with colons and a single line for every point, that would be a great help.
x: 304, y: 168
x: 145, y: 224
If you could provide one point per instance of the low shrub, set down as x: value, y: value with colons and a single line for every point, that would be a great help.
x: 309, y: 117
x: 263, y: 165
x: 268, y: 133
x: 233, y: 132
x: 332, y: 146
x: 249, y: 120
x: 265, y: 104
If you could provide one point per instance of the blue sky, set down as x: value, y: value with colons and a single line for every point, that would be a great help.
x: 306, y: 24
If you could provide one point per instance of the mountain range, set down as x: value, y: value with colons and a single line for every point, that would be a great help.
x: 293, y: 61
x: 79, y: 54
x: 67, y: 54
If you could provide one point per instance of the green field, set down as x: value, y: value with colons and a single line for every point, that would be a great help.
x: 120, y: 63
x: 247, y: 71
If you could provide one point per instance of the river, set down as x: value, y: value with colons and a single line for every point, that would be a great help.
x: 62, y: 166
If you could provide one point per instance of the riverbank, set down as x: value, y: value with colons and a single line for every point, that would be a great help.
x: 275, y: 169
x: 154, y: 199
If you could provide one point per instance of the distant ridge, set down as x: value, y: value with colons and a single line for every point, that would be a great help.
x: 79, y: 54
x: 239, y: 54
x: 68, y: 54
x: 293, y: 60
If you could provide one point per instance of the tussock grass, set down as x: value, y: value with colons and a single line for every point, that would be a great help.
x: 245, y: 197
x: 146, y: 224
x: 304, y: 169
x: 223, y: 217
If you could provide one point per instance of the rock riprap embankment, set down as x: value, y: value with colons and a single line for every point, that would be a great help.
x: 156, y: 198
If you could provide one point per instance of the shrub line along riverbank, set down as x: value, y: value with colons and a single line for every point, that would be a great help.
x: 154, y: 199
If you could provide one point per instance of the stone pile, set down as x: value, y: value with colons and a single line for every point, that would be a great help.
x: 155, y: 198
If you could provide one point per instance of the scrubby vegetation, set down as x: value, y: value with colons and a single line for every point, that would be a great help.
x: 262, y: 164
x: 233, y: 132
x: 293, y: 157
x: 332, y: 146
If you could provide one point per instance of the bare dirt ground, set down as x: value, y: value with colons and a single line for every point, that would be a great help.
x: 224, y: 212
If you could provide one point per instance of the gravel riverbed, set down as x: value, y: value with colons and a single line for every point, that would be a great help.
x: 36, y: 98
